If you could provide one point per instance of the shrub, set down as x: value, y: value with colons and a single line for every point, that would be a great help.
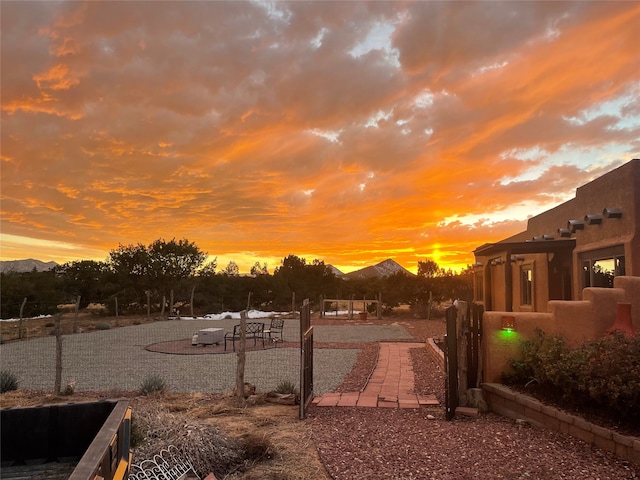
x: 8, y: 381
x: 286, y: 387
x: 70, y: 388
x: 103, y: 326
x: 604, y: 372
x: 152, y: 384
x: 611, y: 373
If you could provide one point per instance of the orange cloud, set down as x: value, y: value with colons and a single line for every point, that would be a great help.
x: 350, y: 132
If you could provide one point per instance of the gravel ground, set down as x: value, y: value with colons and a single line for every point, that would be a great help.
x: 116, y: 359
x: 400, y: 444
x: 353, y: 443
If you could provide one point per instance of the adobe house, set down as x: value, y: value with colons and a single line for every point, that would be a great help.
x: 566, y: 273
x: 584, y: 242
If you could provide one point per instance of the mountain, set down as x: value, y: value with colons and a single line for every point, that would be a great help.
x: 28, y: 265
x: 385, y: 268
x: 335, y: 271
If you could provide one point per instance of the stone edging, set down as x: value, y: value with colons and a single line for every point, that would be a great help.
x: 435, y: 353
x: 504, y: 401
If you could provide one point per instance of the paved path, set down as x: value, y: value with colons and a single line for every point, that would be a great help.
x: 391, y: 385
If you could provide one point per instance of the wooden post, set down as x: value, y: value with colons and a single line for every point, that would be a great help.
x: 429, y: 305
x: 171, y: 309
x: 116, y: 300
x: 58, y: 380
x: 75, y: 318
x: 322, y: 306
x: 451, y: 364
x: 293, y: 302
x: 379, y: 306
x: 353, y: 295
x: 164, y: 301
x: 249, y: 302
x: 20, y: 326
x: 364, y: 303
x: 193, y: 291
x: 462, y: 330
x: 241, y: 359
x: 148, y: 305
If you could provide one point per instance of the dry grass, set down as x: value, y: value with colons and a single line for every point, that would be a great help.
x: 260, y: 441
x: 85, y: 322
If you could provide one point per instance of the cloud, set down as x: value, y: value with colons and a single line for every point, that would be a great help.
x: 348, y: 131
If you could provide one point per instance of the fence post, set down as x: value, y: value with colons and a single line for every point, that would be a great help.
x: 353, y: 295
x: 58, y: 378
x: 241, y: 359
x: 20, y: 327
x: 462, y: 332
x: 306, y: 358
x: 451, y: 363
x: 148, y: 304
x: 75, y: 318
x: 116, y: 298
x: 193, y: 291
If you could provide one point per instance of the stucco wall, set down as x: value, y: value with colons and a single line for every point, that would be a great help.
x: 577, y: 321
x: 619, y: 188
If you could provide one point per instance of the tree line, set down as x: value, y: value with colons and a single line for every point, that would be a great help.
x: 135, y: 278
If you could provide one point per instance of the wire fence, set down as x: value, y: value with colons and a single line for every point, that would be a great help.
x: 120, y: 359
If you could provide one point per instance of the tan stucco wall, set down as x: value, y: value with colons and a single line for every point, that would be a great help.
x: 619, y: 188
x: 500, y: 346
x: 577, y: 321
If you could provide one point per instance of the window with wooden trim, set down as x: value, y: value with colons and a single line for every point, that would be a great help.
x: 599, y: 267
x: 526, y: 285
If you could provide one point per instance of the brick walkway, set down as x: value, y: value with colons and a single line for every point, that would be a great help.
x: 391, y: 384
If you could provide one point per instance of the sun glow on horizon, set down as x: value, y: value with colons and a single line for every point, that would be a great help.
x: 279, y: 129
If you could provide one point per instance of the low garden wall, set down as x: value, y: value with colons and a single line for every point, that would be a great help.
x: 506, y: 402
x: 577, y: 321
x: 435, y: 353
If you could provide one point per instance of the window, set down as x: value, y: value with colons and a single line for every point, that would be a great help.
x: 599, y: 267
x: 526, y: 285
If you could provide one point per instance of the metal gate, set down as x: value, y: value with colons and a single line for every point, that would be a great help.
x: 463, y: 354
x: 306, y: 358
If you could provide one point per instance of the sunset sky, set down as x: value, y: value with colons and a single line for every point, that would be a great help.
x: 350, y: 132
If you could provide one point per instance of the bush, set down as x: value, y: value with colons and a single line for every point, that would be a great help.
x: 611, y: 373
x: 70, y: 388
x: 152, y: 384
x: 8, y: 381
x: 103, y: 326
x: 604, y: 372
x: 286, y: 387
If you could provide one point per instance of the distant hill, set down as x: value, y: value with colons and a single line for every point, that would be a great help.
x: 28, y: 265
x: 335, y: 271
x: 385, y: 268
